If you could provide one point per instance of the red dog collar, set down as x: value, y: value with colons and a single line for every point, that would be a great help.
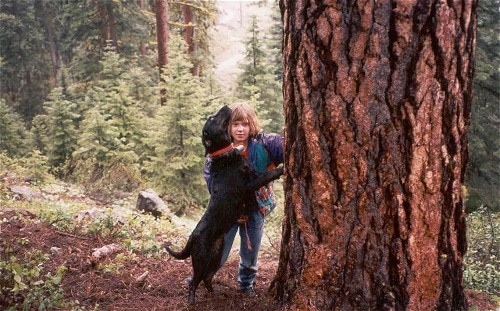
x: 221, y: 151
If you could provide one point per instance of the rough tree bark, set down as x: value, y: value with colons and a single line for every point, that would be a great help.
x: 377, y: 99
x: 162, y: 30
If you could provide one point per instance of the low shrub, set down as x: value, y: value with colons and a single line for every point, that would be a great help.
x: 482, y: 260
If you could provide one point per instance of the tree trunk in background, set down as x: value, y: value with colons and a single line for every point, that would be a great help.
x: 47, y: 18
x: 377, y: 103
x: 108, y: 31
x: 162, y: 30
x: 112, y: 24
x: 187, y: 12
x: 142, y: 45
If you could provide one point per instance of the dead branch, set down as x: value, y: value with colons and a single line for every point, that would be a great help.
x: 104, y: 251
x: 141, y: 279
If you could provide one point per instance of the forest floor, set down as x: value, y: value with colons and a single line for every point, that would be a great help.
x: 94, y: 288
x: 165, y: 288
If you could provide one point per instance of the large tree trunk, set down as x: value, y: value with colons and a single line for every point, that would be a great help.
x: 377, y: 99
x: 162, y: 34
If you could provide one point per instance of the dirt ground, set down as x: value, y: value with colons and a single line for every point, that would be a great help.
x: 165, y: 288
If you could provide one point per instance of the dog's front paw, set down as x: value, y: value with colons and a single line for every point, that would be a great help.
x: 279, y: 171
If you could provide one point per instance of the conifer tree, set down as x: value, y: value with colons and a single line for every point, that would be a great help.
x: 39, y: 133
x: 88, y: 26
x: 258, y: 83
x: 98, y: 141
x: 25, y: 73
x: 111, y: 131
x: 61, y: 126
x: 274, y: 41
x: 175, y: 167
x: 253, y: 63
x: 377, y: 99
x: 110, y: 95
x: 204, y: 13
x: 274, y: 70
x: 483, y: 174
x: 142, y: 83
x: 14, y: 138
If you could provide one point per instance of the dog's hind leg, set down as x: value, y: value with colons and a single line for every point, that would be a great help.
x: 208, y: 281
x: 193, y: 285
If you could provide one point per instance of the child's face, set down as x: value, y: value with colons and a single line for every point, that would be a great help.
x: 240, y: 131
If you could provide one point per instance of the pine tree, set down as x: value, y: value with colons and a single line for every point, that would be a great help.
x: 99, y: 139
x: 483, y: 175
x: 204, y: 13
x: 110, y: 95
x: 112, y: 129
x: 175, y: 167
x: 87, y: 27
x: 274, y: 41
x: 61, y: 124
x: 14, y: 138
x: 377, y: 110
x: 253, y: 63
x: 25, y: 73
x: 258, y: 83
x: 274, y: 69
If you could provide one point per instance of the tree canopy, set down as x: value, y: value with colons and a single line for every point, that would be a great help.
x: 80, y: 83
x: 48, y: 47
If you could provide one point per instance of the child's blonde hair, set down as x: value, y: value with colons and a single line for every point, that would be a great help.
x: 243, y: 112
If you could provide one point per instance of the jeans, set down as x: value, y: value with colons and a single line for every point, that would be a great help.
x: 251, y: 237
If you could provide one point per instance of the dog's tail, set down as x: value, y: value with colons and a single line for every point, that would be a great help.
x: 183, y: 254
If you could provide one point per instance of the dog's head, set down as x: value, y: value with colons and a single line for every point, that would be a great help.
x: 215, y: 135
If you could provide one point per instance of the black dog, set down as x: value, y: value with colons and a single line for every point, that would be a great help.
x: 233, y: 183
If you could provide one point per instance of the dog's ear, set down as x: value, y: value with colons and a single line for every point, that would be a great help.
x: 207, y: 143
x: 206, y: 139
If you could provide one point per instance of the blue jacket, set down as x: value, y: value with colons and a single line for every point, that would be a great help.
x: 263, y: 150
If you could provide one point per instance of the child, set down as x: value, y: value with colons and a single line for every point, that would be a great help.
x: 265, y: 152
